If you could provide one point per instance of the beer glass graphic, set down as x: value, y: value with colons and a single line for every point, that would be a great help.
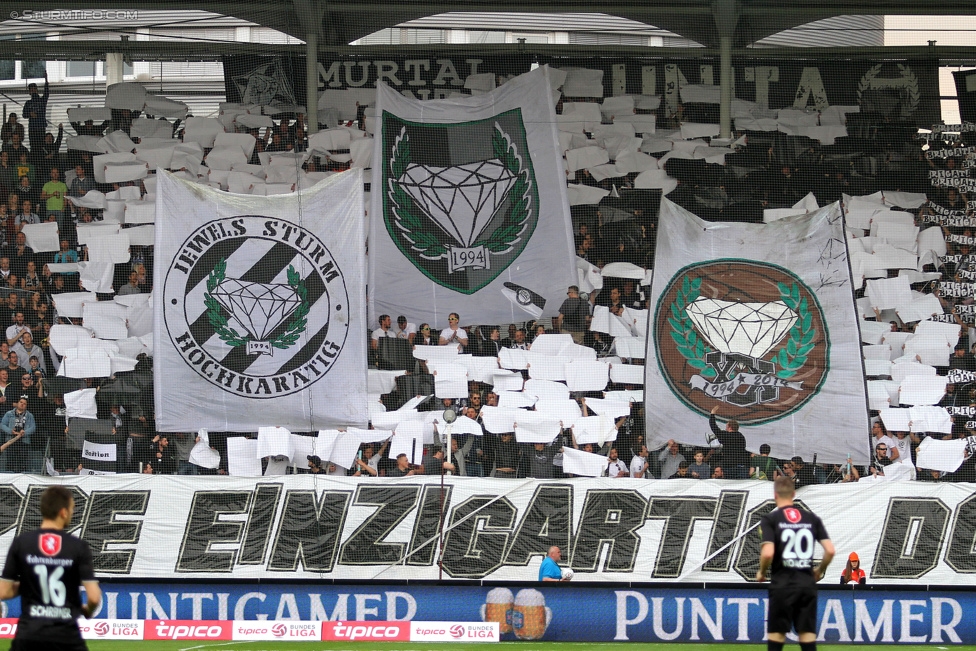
x: 498, y: 608
x: 530, y: 617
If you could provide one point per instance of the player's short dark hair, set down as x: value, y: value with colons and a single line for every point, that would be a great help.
x: 53, y: 499
x: 784, y: 487
x: 765, y: 449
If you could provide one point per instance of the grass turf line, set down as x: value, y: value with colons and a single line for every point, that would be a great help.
x: 181, y: 645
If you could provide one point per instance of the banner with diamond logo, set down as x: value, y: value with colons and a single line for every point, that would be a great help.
x: 468, y: 207
x: 260, y: 298
x: 756, y: 322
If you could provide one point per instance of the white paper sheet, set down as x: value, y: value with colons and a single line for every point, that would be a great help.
x: 515, y: 399
x: 408, y: 438
x: 242, y: 459
x: 889, y: 293
x: 896, y: 420
x: 543, y: 367
x: 275, y: 442
x: 583, y: 464
x: 878, y: 397
x: 201, y: 454
x: 929, y: 418
x: 81, y: 404
x: 450, y: 381
x: 610, y: 408
x: 499, y: 420
x: 921, y: 390
x: 586, y: 376
x: 512, y: 358
x: 85, y: 363
x: 627, y: 373
x: 43, y: 238
x: 507, y: 381
x: 630, y: 347
x: 566, y: 410
x: 533, y: 427
x: 944, y: 456
x: 594, y: 429
x: 546, y: 389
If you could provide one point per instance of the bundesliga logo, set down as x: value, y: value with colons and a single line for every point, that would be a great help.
x: 460, y: 201
x: 749, y: 334
x: 256, y: 306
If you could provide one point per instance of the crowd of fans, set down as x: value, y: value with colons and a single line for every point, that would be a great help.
x: 767, y: 170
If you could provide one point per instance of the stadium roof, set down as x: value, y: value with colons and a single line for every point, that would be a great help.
x: 703, y: 21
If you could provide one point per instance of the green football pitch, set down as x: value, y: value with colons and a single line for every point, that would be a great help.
x: 103, y: 645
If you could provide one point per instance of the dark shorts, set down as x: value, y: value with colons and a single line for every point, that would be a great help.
x: 792, y: 607
x: 45, y: 645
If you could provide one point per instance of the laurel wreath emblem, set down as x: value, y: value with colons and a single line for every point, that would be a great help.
x: 502, y: 238
x: 689, y: 344
x: 914, y: 93
x: 220, y: 322
x: 793, y: 356
x: 422, y: 233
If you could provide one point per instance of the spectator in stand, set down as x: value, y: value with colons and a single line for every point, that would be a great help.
x: 762, y: 465
x: 49, y: 150
x: 699, y: 469
x: 454, y: 334
x: 403, y: 468
x: 506, y: 456
x: 162, y: 458
x: 405, y: 329
x: 382, y: 331
x: 490, y: 341
x: 53, y: 193
x: 540, y: 458
x: 881, y: 436
x: 847, y: 472
x: 670, y: 458
x: 519, y: 341
x: 424, y: 337
x: 853, y: 575
x: 718, y: 473
x: 615, y: 466
x: 14, y: 369
x: 16, y: 148
x: 638, y: 463
x: 735, y: 457
x: 81, y: 184
x: 880, y: 461
x: 35, y: 110
x: 15, y: 332
x: 18, y: 422
x: 131, y: 287
x: 804, y: 472
x: 9, y: 180
x: 574, y: 315
x: 681, y: 472
x: 10, y: 127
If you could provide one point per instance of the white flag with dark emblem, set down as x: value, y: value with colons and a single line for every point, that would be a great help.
x: 756, y: 321
x: 258, y: 307
x: 468, y: 207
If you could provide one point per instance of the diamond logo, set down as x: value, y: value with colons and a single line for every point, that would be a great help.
x: 257, y: 311
x: 746, y: 334
x: 748, y: 328
x: 460, y: 200
x: 258, y: 307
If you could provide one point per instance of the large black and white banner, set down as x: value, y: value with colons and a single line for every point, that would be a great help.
x: 907, y: 89
x: 625, y: 530
x: 258, y: 307
x: 757, y: 320
x: 469, y: 211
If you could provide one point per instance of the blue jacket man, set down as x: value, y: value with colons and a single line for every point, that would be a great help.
x: 14, y: 422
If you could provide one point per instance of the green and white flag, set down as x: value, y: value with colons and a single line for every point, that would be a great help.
x: 468, y: 207
x: 758, y: 321
x: 258, y: 307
